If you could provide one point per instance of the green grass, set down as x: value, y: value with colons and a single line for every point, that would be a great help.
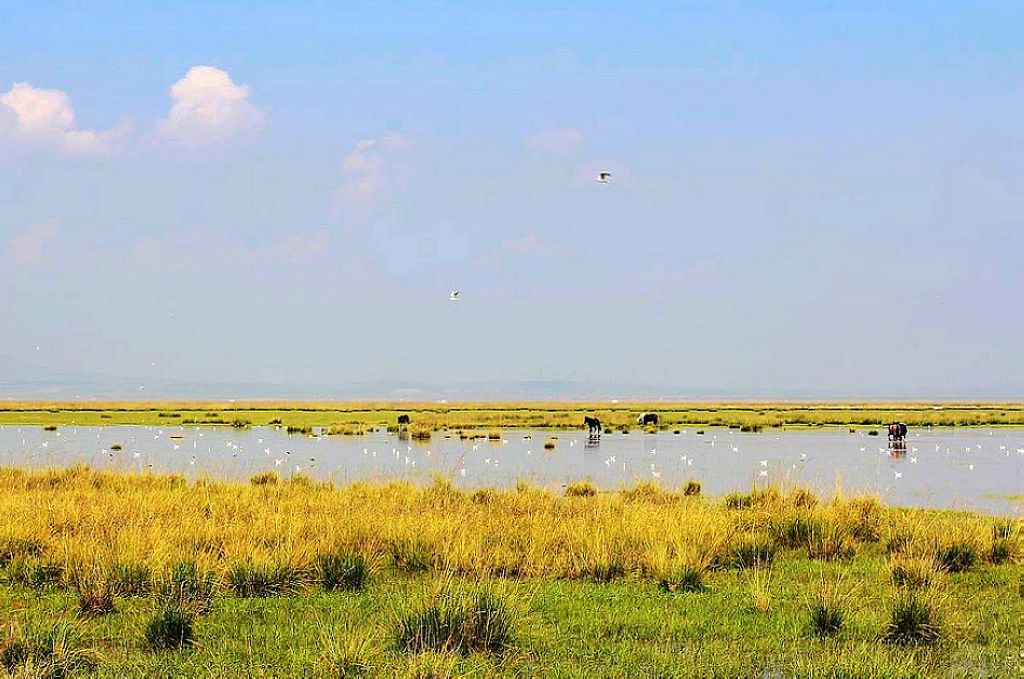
x: 629, y: 627
x: 357, y: 417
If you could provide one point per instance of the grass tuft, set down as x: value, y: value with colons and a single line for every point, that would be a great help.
x: 480, y: 622
x: 686, y: 577
x: 56, y: 650
x: 188, y: 588
x: 131, y: 579
x: 95, y: 591
x: 346, y: 652
x: 957, y: 556
x: 170, y: 628
x: 581, y: 489
x: 913, y: 621
x: 267, y: 478
x: 263, y: 580
x: 342, y: 571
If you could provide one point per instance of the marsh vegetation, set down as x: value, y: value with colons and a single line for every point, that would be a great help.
x: 124, y: 572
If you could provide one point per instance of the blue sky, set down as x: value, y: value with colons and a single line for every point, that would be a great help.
x: 805, y: 200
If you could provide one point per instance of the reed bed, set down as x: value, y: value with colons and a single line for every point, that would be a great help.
x: 406, y: 580
x: 52, y: 523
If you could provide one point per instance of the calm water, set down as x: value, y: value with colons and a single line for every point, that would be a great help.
x: 958, y: 468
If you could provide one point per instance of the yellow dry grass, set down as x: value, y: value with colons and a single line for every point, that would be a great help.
x: 79, y: 517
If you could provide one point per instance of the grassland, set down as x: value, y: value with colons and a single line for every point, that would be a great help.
x: 353, y: 418
x: 301, y: 578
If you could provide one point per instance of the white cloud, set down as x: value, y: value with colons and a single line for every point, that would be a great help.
x: 209, y: 108
x: 29, y: 247
x: 560, y: 142
x: 369, y: 172
x: 46, y: 118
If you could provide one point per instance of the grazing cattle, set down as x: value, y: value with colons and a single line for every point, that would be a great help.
x: 647, y: 418
x: 897, y: 431
x: 403, y: 419
x: 592, y: 424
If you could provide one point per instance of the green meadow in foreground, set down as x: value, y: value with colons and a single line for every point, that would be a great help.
x: 146, y: 575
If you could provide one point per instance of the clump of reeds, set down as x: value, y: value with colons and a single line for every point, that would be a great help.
x: 684, y: 577
x: 303, y: 429
x: 15, y: 547
x: 95, y: 591
x: 342, y: 571
x: 803, y: 498
x: 644, y: 491
x: 420, y: 432
x: 116, y: 447
x: 483, y: 496
x: 865, y: 517
x: 56, y: 650
x: 187, y: 587
x: 827, y: 616
x: 266, y: 478
x: 757, y: 497
x: 829, y: 541
x: 34, y: 573
x: 171, y: 627
x: 480, y: 622
x: 607, y: 570
x: 261, y: 580
x: 1005, y: 545
x: 913, y: 620
x: 748, y: 550
x: 494, y: 435
x: 346, y: 652
x: 549, y: 444
x: 239, y: 423
x: 794, y: 529
x: 956, y: 556
x: 131, y: 579
x: 50, y: 427
x: 411, y: 555
x: 759, y: 582
x: 912, y: 572
x: 581, y: 489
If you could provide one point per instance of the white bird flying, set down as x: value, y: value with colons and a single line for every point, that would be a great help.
x: 603, y: 176
x: 453, y: 296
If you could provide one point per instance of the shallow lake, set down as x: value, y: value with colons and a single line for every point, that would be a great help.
x: 977, y: 469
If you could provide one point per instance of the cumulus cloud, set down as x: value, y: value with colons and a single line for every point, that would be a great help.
x: 369, y: 170
x: 46, y: 118
x: 559, y: 142
x: 29, y: 247
x: 209, y: 108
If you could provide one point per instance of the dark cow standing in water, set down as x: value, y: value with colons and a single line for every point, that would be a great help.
x: 897, y: 431
x: 592, y: 424
x: 403, y: 419
x: 647, y: 418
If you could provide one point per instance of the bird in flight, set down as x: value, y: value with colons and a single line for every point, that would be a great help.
x: 453, y: 296
x: 603, y: 176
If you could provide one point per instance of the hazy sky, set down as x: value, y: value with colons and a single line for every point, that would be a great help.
x: 804, y: 199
